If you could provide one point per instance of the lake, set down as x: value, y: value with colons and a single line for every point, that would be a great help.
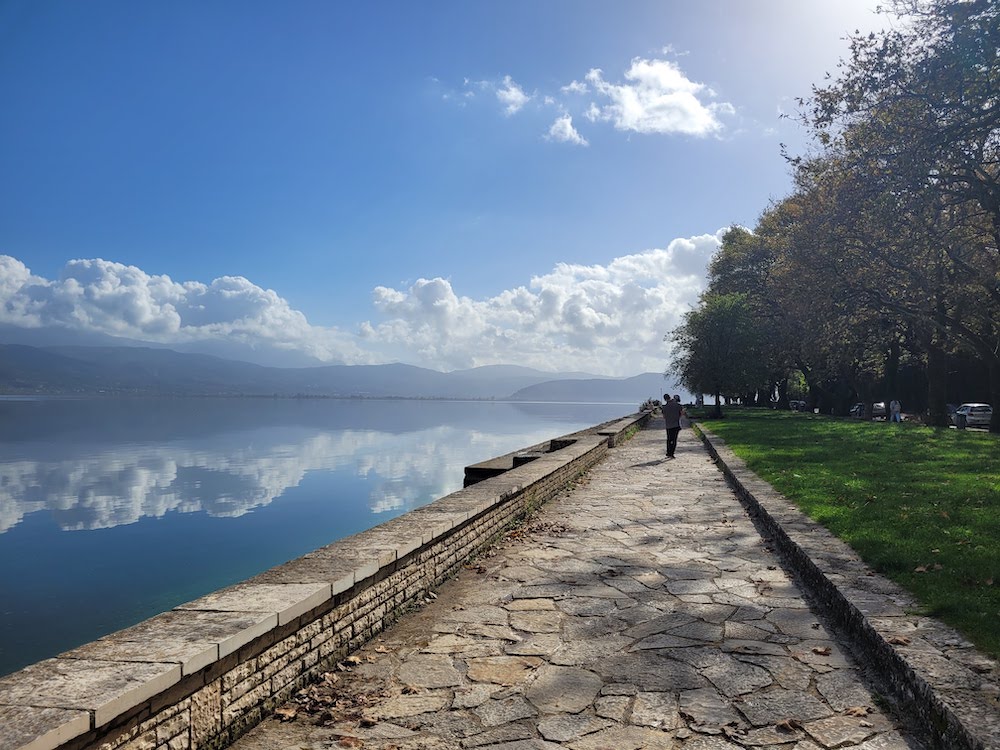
x: 112, y: 511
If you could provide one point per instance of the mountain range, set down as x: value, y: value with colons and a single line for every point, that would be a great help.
x: 145, y: 371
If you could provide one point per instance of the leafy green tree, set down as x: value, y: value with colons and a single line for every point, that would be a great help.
x: 745, y: 264
x: 914, y: 118
x: 717, y: 348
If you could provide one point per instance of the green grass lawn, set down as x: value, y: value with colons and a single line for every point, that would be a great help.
x: 921, y: 505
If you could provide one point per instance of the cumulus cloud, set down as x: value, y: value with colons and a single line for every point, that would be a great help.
x: 511, y: 96
x: 607, y: 319
x: 562, y: 130
x: 602, y: 318
x: 575, y: 87
x: 657, y: 97
x: 111, y: 298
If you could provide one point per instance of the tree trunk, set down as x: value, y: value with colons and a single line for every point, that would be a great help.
x: 782, y: 387
x: 937, y: 384
x: 892, y: 372
x: 717, y: 412
x: 995, y: 395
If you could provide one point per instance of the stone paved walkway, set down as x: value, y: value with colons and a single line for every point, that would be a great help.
x: 639, y: 610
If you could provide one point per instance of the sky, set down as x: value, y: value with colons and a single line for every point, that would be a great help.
x: 446, y: 184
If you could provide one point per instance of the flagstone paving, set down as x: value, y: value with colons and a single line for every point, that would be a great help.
x: 641, y: 609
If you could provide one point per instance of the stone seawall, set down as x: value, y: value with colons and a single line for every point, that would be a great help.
x: 207, y: 671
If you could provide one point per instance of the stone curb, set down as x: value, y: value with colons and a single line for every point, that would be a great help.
x: 948, y: 686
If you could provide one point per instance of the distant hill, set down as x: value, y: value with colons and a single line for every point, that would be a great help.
x: 145, y: 371
x: 628, y: 390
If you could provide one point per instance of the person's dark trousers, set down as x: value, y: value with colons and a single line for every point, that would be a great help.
x: 672, y: 440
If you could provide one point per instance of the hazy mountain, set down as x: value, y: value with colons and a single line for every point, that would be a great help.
x: 27, y: 369
x: 48, y: 336
x: 136, y: 370
x: 55, y: 336
x: 628, y: 390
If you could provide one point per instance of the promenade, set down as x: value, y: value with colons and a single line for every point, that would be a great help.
x: 640, y: 609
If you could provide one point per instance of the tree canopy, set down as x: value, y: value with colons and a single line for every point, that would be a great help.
x: 881, y: 271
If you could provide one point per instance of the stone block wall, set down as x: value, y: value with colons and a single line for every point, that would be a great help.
x: 207, y: 671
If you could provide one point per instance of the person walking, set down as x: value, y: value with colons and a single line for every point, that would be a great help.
x: 672, y: 412
x: 895, y: 410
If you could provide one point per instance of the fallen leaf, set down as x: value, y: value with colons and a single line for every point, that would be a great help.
x: 788, y: 725
x: 898, y: 640
x: 381, y: 650
x: 822, y: 650
x: 353, y: 659
x: 409, y: 690
x: 865, y: 724
x: 286, y: 713
x: 989, y: 581
x: 935, y: 551
x: 350, y: 742
x: 856, y: 711
x: 920, y: 569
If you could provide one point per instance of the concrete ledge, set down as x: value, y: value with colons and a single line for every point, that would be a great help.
x: 33, y: 728
x: 615, y: 431
x: 105, y: 688
x: 612, y: 431
x: 207, y: 671
x: 952, y: 689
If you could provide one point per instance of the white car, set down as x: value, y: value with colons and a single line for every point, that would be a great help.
x: 976, y: 415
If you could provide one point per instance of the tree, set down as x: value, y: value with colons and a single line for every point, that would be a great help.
x: 914, y: 115
x: 717, y: 348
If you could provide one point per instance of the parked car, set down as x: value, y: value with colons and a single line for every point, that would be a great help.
x: 976, y: 415
x: 797, y: 405
x: 858, y: 410
x: 878, y: 409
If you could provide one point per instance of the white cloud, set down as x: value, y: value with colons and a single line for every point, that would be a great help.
x: 111, y: 298
x: 658, y: 98
x: 562, y: 130
x: 512, y: 96
x: 655, y: 96
x: 607, y: 319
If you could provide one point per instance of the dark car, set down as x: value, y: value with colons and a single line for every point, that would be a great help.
x: 858, y: 410
x: 878, y: 409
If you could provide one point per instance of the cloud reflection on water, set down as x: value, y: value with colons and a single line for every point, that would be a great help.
x: 233, y: 473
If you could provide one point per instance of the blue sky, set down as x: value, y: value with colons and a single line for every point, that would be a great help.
x: 448, y: 184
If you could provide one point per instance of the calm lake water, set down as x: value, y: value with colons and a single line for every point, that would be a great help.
x: 112, y: 511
